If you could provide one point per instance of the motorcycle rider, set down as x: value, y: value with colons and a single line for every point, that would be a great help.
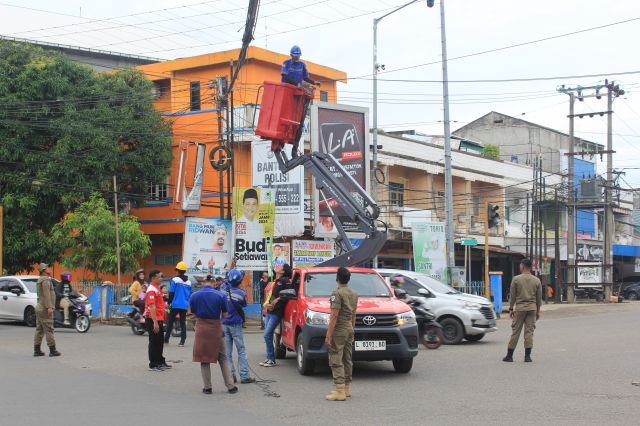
x: 397, y: 281
x: 137, y: 290
x: 63, y: 290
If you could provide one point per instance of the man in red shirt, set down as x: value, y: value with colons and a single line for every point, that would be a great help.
x: 155, y: 316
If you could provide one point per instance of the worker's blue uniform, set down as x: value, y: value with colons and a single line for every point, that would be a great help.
x: 294, y: 72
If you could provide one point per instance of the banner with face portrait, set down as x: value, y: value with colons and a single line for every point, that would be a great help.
x: 279, y: 255
x: 253, y: 216
x: 207, y: 246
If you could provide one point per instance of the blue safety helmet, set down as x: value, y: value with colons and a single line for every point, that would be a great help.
x: 234, y: 278
x: 295, y: 51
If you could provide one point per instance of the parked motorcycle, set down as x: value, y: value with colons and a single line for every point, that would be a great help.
x: 429, y: 330
x: 79, y: 314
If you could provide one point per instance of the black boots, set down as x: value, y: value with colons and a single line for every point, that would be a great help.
x: 37, y: 351
x: 527, y: 355
x: 509, y: 357
x: 53, y: 351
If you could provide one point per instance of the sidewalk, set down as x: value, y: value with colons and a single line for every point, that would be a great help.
x: 558, y: 310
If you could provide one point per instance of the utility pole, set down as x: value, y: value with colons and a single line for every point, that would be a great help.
x: 448, y: 179
x: 487, y: 292
x: 556, y: 242
x: 115, y: 204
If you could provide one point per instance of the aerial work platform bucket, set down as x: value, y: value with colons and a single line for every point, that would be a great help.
x: 282, y: 112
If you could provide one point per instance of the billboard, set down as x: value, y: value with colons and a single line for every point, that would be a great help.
x: 253, y: 214
x: 309, y: 253
x: 207, y: 246
x: 288, y: 188
x: 429, y: 249
x: 589, y: 274
x: 341, y: 131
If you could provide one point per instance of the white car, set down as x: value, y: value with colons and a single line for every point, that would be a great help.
x: 18, y: 298
x: 462, y: 316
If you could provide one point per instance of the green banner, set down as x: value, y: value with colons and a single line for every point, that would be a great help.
x: 429, y: 249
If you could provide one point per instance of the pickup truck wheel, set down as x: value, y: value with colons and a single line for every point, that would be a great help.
x: 474, y: 337
x: 305, y: 365
x: 452, y: 330
x: 403, y: 365
x: 281, y: 351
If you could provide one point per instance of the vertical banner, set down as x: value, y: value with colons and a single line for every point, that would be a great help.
x: 288, y: 188
x: 280, y: 254
x: 341, y: 131
x: 192, y: 201
x: 253, y: 215
x: 309, y: 253
x: 207, y: 246
x: 429, y: 249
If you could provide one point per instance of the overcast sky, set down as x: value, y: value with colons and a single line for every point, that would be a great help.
x: 338, y: 33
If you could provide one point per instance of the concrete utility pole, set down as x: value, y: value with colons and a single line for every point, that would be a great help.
x: 115, y: 204
x: 448, y: 180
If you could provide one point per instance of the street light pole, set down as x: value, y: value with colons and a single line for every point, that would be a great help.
x: 376, y: 68
x: 448, y: 180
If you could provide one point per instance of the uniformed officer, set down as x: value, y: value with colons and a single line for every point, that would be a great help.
x: 44, y: 312
x: 525, y: 300
x: 339, y: 340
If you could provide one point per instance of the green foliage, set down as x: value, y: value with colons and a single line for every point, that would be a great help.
x: 491, y: 151
x: 88, y: 235
x: 65, y: 132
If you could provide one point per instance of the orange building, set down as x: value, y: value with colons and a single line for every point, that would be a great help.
x: 185, y: 93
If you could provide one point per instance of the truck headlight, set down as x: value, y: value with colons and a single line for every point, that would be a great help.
x: 471, y: 305
x: 316, y: 318
x: 406, y: 318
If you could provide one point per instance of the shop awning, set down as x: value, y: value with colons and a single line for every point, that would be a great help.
x: 622, y: 250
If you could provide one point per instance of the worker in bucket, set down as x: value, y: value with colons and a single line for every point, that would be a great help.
x: 294, y: 71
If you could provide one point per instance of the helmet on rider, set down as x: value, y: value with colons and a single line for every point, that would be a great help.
x: 66, y: 277
x: 234, y: 278
x: 397, y: 280
x: 181, y: 266
x: 295, y: 51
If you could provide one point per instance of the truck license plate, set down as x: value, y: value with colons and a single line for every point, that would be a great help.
x: 371, y: 345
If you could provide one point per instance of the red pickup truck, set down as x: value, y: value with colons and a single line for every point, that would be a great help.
x: 385, y: 326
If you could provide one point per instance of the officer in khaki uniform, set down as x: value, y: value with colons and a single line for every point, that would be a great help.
x: 339, y: 340
x: 44, y: 312
x: 526, y: 296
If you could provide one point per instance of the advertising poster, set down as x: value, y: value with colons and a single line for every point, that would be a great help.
x: 589, y: 274
x: 280, y: 254
x: 287, y: 188
x: 309, y: 253
x: 253, y: 214
x: 429, y: 249
x: 192, y: 200
x: 341, y: 131
x: 207, y: 246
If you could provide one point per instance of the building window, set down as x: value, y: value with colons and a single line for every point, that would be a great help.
x: 195, y: 95
x: 476, y: 205
x: 158, y: 192
x: 440, y: 209
x: 166, y: 259
x: 324, y: 96
x: 396, y: 194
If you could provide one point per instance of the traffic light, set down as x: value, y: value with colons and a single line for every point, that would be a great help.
x: 493, y: 218
x: 430, y: 3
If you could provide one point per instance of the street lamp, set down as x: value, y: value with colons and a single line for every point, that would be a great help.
x: 448, y: 180
x: 376, y: 68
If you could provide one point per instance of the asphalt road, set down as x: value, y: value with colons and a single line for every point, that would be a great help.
x: 585, y: 359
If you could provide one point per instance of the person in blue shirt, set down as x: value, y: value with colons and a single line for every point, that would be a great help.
x: 235, y: 299
x: 294, y: 71
x: 179, y: 292
x: 209, y: 307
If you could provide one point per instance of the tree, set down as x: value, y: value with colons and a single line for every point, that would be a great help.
x: 491, y: 151
x: 88, y: 237
x: 65, y: 132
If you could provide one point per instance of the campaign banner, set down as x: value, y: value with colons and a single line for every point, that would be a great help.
x: 342, y: 131
x: 279, y: 255
x: 288, y: 188
x: 207, y: 246
x: 253, y: 215
x: 429, y: 249
x: 309, y: 253
x: 192, y: 200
